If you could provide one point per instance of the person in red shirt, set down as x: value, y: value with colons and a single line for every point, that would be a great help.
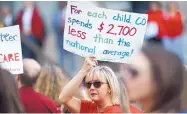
x: 102, y: 87
x: 156, y: 17
x: 32, y: 28
x: 174, y: 22
x: 32, y: 101
x: 175, y: 28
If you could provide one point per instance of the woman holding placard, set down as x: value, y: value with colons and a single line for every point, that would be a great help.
x: 102, y: 86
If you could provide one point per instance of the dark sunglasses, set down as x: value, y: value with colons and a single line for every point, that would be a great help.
x: 96, y: 84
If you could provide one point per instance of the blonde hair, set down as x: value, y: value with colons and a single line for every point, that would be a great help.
x: 50, y: 82
x: 112, y: 81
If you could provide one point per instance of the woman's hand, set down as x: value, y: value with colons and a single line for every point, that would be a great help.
x: 89, y: 63
x: 74, y: 104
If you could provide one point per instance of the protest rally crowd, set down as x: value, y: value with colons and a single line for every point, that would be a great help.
x: 154, y: 81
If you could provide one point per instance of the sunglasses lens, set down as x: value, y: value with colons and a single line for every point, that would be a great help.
x: 88, y: 85
x: 97, y: 84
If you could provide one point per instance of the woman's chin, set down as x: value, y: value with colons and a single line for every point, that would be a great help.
x: 94, y: 99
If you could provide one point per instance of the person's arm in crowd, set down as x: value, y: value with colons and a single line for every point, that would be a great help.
x: 66, y: 96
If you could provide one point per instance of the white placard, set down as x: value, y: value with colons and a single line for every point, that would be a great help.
x: 10, y: 49
x: 110, y: 35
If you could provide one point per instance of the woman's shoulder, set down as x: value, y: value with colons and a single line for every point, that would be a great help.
x: 113, y: 109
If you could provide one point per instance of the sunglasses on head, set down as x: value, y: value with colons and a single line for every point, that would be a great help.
x: 96, y: 84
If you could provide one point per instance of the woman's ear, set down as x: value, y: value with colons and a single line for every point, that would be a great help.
x: 109, y: 91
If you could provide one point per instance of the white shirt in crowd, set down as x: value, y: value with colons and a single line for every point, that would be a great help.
x: 27, y: 18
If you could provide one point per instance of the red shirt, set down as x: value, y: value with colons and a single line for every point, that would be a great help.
x: 174, y: 25
x: 91, y: 107
x: 159, y: 18
x: 34, y: 102
x: 134, y: 109
x: 37, y: 24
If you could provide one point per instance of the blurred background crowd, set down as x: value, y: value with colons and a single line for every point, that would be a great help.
x: 42, y: 24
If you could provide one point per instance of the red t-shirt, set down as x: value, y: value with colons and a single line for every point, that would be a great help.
x: 37, y: 24
x: 174, y: 25
x: 34, y: 102
x: 91, y: 107
x: 159, y: 18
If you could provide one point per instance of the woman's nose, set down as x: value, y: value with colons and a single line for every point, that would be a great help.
x: 92, y: 87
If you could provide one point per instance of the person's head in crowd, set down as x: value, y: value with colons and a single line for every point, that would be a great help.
x: 155, y: 6
x: 31, y: 70
x: 50, y: 82
x: 28, y: 4
x: 154, y: 79
x: 5, y: 10
x: 103, y: 86
x: 172, y: 6
x: 9, y: 99
x: 33, y: 101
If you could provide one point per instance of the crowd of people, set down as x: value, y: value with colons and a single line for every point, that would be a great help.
x: 33, y: 30
x: 153, y: 82
x: 166, y: 27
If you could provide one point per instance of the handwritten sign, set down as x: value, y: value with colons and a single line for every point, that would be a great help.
x: 10, y: 49
x: 110, y: 35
